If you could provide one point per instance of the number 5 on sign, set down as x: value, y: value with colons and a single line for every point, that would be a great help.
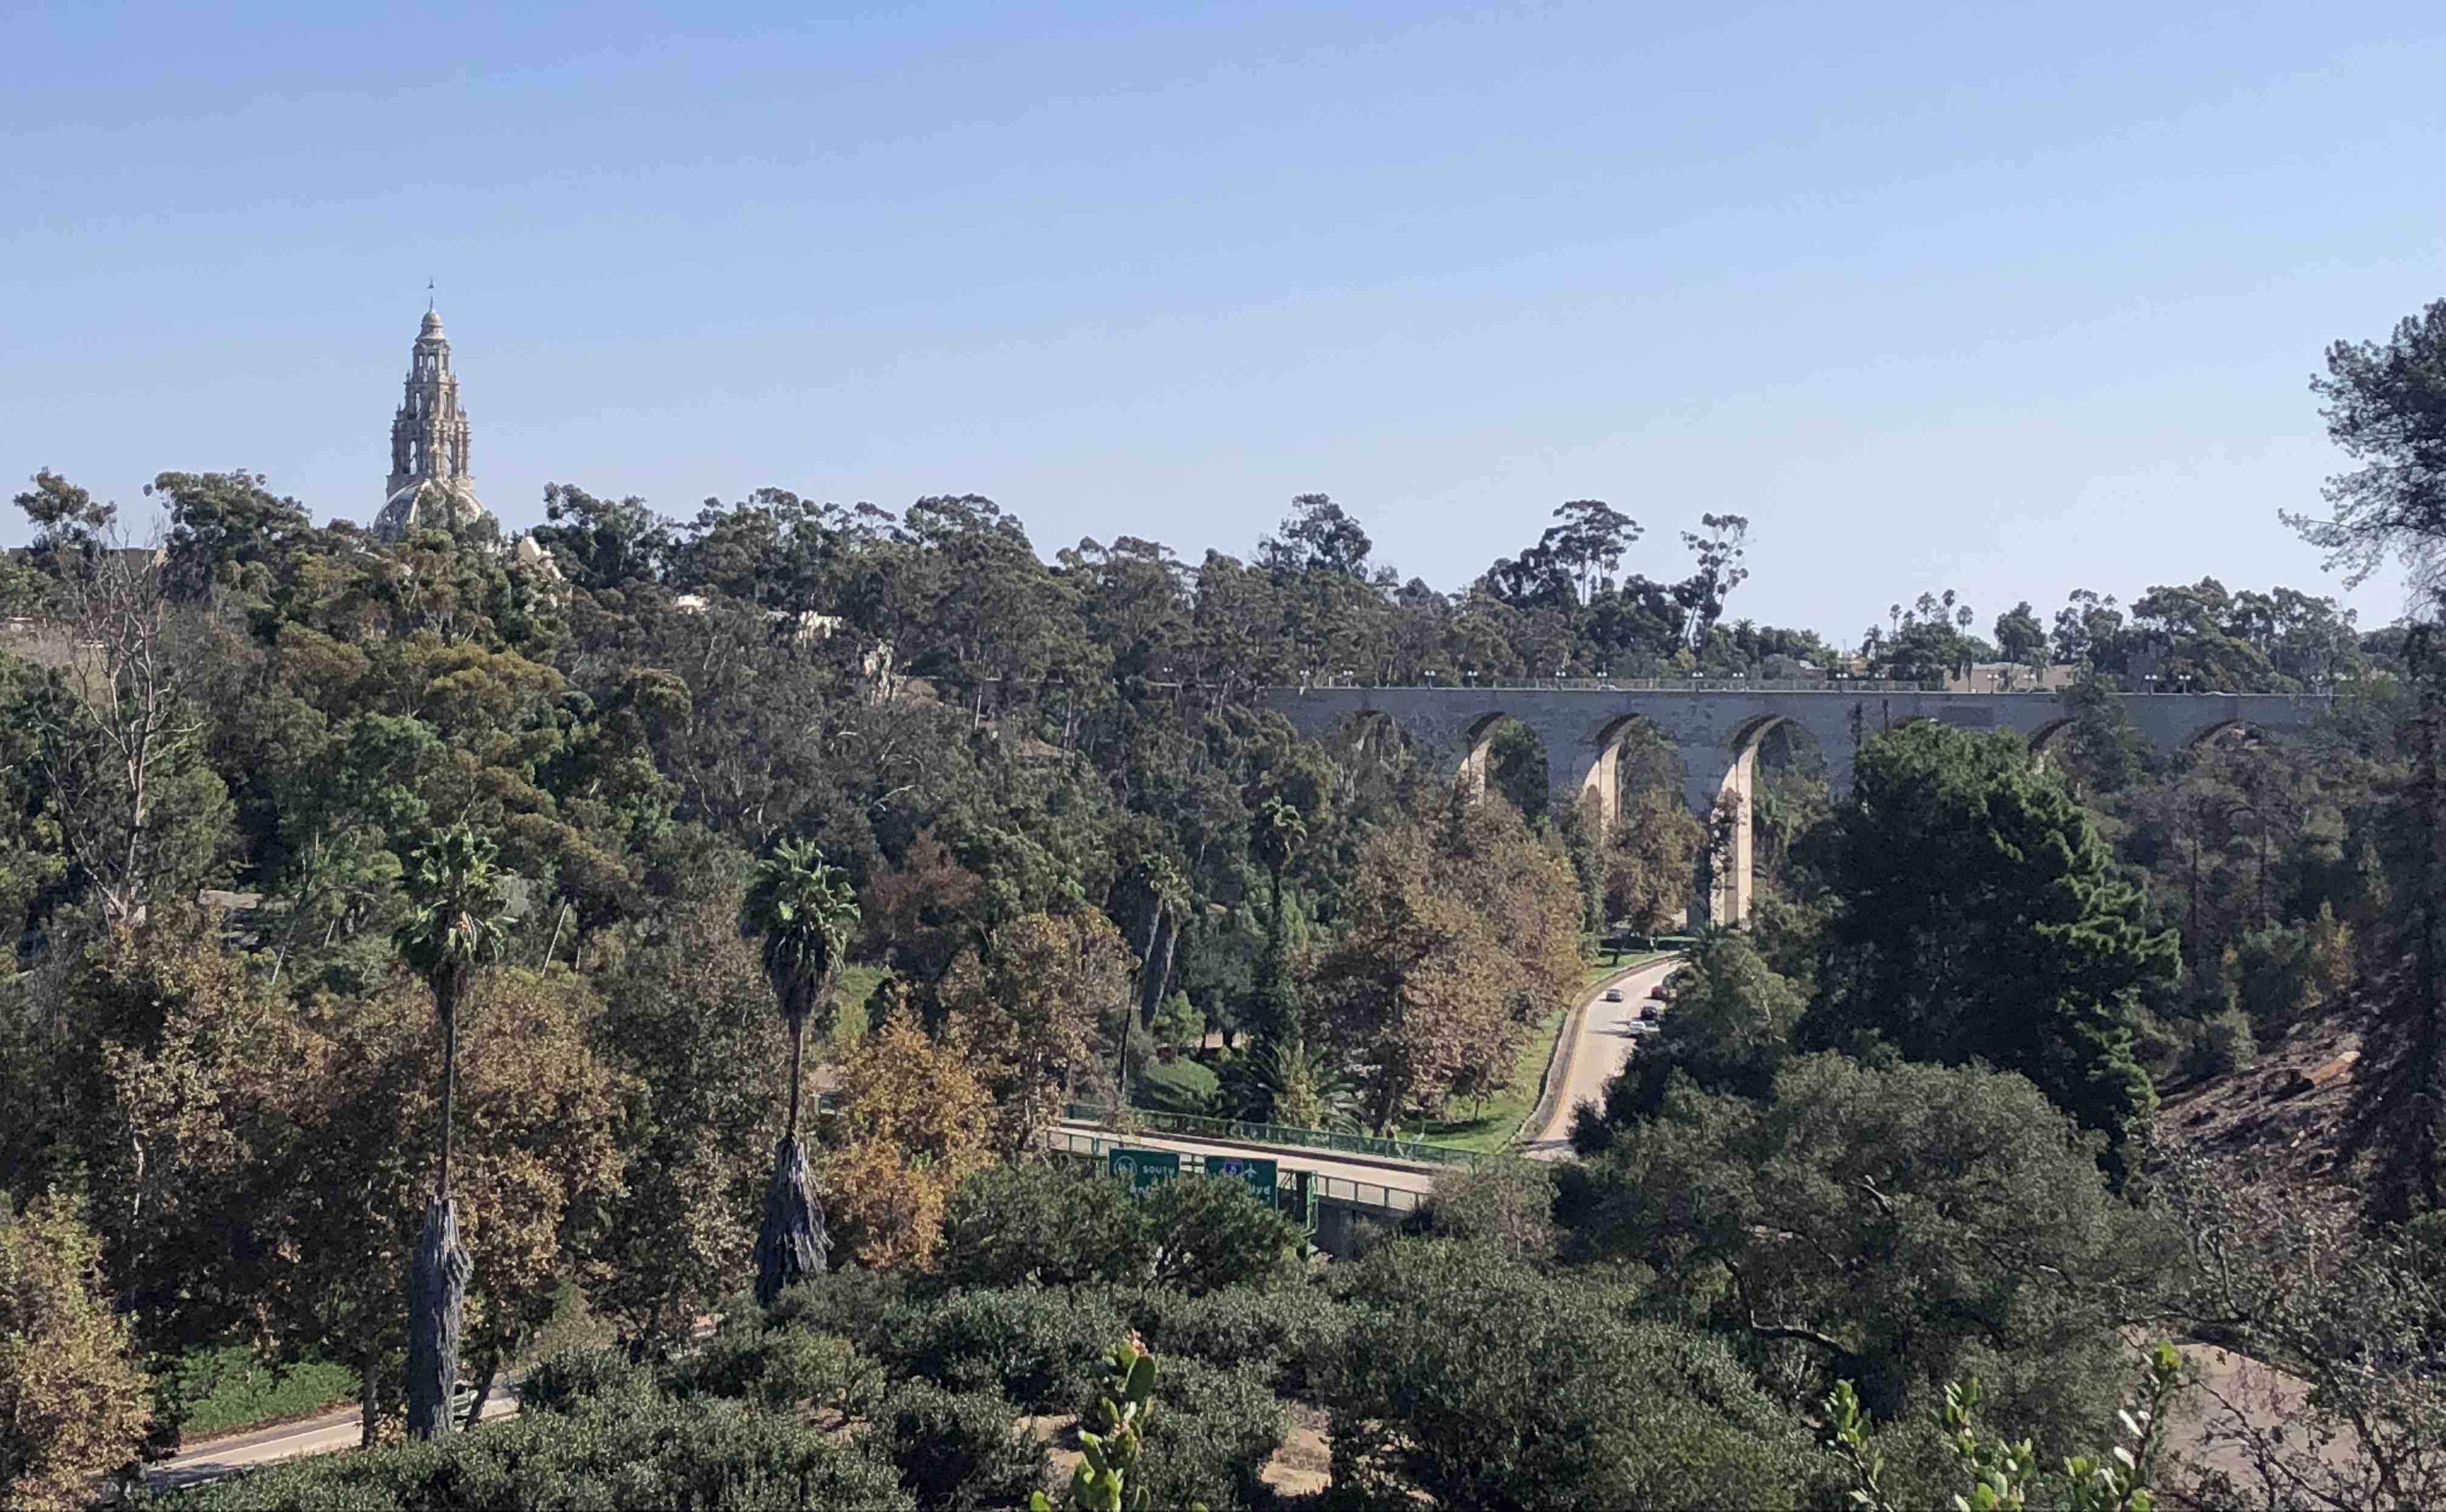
x: 1262, y: 1176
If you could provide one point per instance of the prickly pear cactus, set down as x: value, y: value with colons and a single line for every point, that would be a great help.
x: 1101, y: 1483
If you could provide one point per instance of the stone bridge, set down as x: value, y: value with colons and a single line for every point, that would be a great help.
x: 1715, y: 731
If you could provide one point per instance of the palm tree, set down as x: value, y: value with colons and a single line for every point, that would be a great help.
x: 1167, y: 902
x: 457, y: 926
x: 1280, y: 833
x: 803, y: 911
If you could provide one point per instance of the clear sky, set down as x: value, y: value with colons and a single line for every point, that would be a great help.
x: 2010, y: 299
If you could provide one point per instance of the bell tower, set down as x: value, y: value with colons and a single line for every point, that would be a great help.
x: 429, y: 484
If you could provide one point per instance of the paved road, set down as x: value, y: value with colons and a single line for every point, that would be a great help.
x: 315, y: 1435
x: 1600, y: 1044
x: 1597, y: 1051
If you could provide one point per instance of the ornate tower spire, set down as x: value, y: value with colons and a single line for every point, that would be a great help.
x: 429, y: 485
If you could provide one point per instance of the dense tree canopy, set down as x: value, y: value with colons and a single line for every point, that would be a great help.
x: 71, y: 1399
x: 1982, y: 917
x: 271, y: 794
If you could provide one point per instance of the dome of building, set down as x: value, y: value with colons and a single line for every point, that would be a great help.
x: 427, y: 504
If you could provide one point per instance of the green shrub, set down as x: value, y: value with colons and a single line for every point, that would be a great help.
x: 1481, y: 1381
x: 1276, y: 1332
x: 232, y: 1387
x: 1211, y: 1442
x: 2159, y: 1042
x: 569, y: 1380
x: 1012, y: 1226
x: 1508, y: 1201
x: 850, y: 1304
x: 955, y: 1451
x: 1038, y: 1347
x: 778, y: 1367
x: 630, y: 1452
x: 2220, y: 1045
x: 1180, y: 1025
x: 1202, y: 1234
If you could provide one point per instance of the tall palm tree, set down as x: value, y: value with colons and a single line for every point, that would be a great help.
x: 457, y: 926
x: 1280, y: 833
x: 1167, y: 904
x: 803, y: 911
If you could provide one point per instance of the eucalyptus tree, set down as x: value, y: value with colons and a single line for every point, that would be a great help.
x: 457, y: 925
x: 805, y: 913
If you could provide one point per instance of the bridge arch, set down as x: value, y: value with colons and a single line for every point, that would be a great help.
x: 2228, y: 734
x: 1373, y: 751
x: 1717, y: 730
x: 1742, y: 796
x: 1622, y: 755
x: 1507, y: 753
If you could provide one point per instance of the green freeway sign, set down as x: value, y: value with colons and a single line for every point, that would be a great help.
x: 1261, y: 1175
x: 1144, y: 1169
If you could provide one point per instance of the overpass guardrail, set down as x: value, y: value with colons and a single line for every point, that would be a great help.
x: 1327, y: 1188
x: 1323, y: 1140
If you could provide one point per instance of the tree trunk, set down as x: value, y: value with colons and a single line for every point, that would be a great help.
x: 1154, y: 964
x: 485, y: 1377
x: 1163, y: 942
x: 369, y: 1397
x: 449, y: 1002
x: 798, y: 1055
x: 437, y: 1289
x: 792, y: 1245
x: 1281, y: 1019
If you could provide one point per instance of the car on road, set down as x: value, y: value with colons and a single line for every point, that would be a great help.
x: 1613, y: 994
x: 1640, y: 1028
x: 1651, y: 1013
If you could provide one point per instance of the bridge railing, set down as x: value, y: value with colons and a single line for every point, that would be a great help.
x: 1329, y: 1141
x: 1327, y: 1188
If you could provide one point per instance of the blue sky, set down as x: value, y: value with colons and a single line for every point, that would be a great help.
x: 2010, y: 299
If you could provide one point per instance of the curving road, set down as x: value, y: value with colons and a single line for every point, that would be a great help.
x: 1597, y: 1045
x: 218, y: 1459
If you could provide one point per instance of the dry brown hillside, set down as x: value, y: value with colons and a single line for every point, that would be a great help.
x: 2281, y: 1122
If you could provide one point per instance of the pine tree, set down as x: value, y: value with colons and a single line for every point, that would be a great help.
x: 1982, y: 918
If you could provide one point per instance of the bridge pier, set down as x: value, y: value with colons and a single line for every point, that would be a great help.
x: 1716, y: 732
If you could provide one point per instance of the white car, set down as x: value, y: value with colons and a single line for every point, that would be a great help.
x: 1613, y: 994
x: 1642, y: 1028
